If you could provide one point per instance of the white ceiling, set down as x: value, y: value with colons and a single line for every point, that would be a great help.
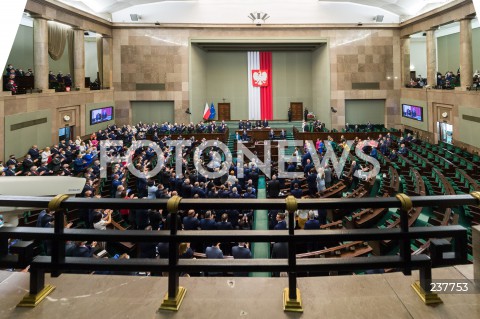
x: 236, y: 11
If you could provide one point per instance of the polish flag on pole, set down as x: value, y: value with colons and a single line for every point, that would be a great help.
x: 206, y: 112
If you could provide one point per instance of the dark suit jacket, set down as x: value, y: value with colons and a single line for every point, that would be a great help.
x: 190, y: 223
x: 281, y: 225
x: 208, y: 224
x: 241, y: 252
x: 213, y: 253
x: 224, y: 226
x: 280, y: 250
x: 147, y: 250
x: 80, y: 251
x: 297, y: 193
x: 273, y: 188
x: 312, y: 224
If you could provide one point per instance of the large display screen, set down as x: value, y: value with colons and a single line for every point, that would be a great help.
x: 412, y: 112
x: 101, y: 115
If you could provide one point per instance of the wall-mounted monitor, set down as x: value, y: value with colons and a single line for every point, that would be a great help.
x: 412, y: 112
x: 101, y: 115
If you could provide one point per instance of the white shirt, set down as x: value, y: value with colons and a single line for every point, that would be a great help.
x: 101, y: 225
x: 45, y: 156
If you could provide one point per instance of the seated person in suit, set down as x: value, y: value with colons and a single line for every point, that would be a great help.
x: 393, y: 156
x: 11, y: 86
x: 283, y: 135
x: 241, y: 252
x: 304, y: 126
x: 273, y: 187
x: 403, y: 150
x: 244, y: 136
x: 281, y: 222
x: 9, y: 69
x: 214, y: 252
x: 265, y: 123
x: 271, y: 134
x: 60, y: 77
x: 296, y: 192
x: 81, y: 249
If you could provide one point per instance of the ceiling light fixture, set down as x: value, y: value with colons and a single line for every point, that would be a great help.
x: 258, y: 18
x: 134, y: 17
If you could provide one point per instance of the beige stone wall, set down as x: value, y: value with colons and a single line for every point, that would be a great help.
x: 444, y: 101
x: 58, y: 103
x: 62, y: 13
x: 152, y: 55
x: 148, y: 54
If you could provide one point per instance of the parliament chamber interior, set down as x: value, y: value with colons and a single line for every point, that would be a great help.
x: 289, y: 159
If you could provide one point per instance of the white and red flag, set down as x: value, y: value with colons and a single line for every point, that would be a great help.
x: 260, y: 104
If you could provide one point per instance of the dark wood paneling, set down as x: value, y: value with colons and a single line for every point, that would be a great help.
x: 297, y: 111
x: 224, y: 111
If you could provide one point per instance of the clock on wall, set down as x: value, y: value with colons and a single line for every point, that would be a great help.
x: 444, y: 114
x: 66, y: 118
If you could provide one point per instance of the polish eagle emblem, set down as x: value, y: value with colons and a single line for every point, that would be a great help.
x: 260, y: 77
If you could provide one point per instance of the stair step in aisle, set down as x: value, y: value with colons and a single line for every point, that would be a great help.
x: 261, y: 250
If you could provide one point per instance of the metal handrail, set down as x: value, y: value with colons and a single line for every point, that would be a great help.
x: 216, y: 203
x: 58, y: 262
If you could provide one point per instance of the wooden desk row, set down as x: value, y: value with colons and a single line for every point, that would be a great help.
x: 198, y: 136
x: 312, y: 136
x: 259, y: 134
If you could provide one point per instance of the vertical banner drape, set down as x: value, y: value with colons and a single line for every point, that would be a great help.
x: 71, y: 52
x: 100, y: 59
x: 57, y: 38
x: 260, y: 104
x: 266, y: 91
x: 253, y: 91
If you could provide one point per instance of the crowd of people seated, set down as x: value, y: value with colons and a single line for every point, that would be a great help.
x: 317, y: 180
x: 447, y: 81
x: 59, y: 81
x: 418, y: 83
x: 313, y: 126
x: 78, y: 158
x: 11, y: 76
x: 247, y: 125
x: 175, y: 128
x: 271, y: 135
x: 369, y: 127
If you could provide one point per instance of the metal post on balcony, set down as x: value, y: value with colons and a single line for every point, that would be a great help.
x: 175, y: 294
x: 405, y: 241
x: 38, y: 289
x: 3, y: 246
x: 58, y: 246
x: 291, y: 295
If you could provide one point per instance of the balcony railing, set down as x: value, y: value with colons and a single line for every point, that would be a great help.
x: 58, y: 262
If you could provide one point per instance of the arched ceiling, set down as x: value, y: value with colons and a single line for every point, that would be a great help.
x: 236, y: 11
